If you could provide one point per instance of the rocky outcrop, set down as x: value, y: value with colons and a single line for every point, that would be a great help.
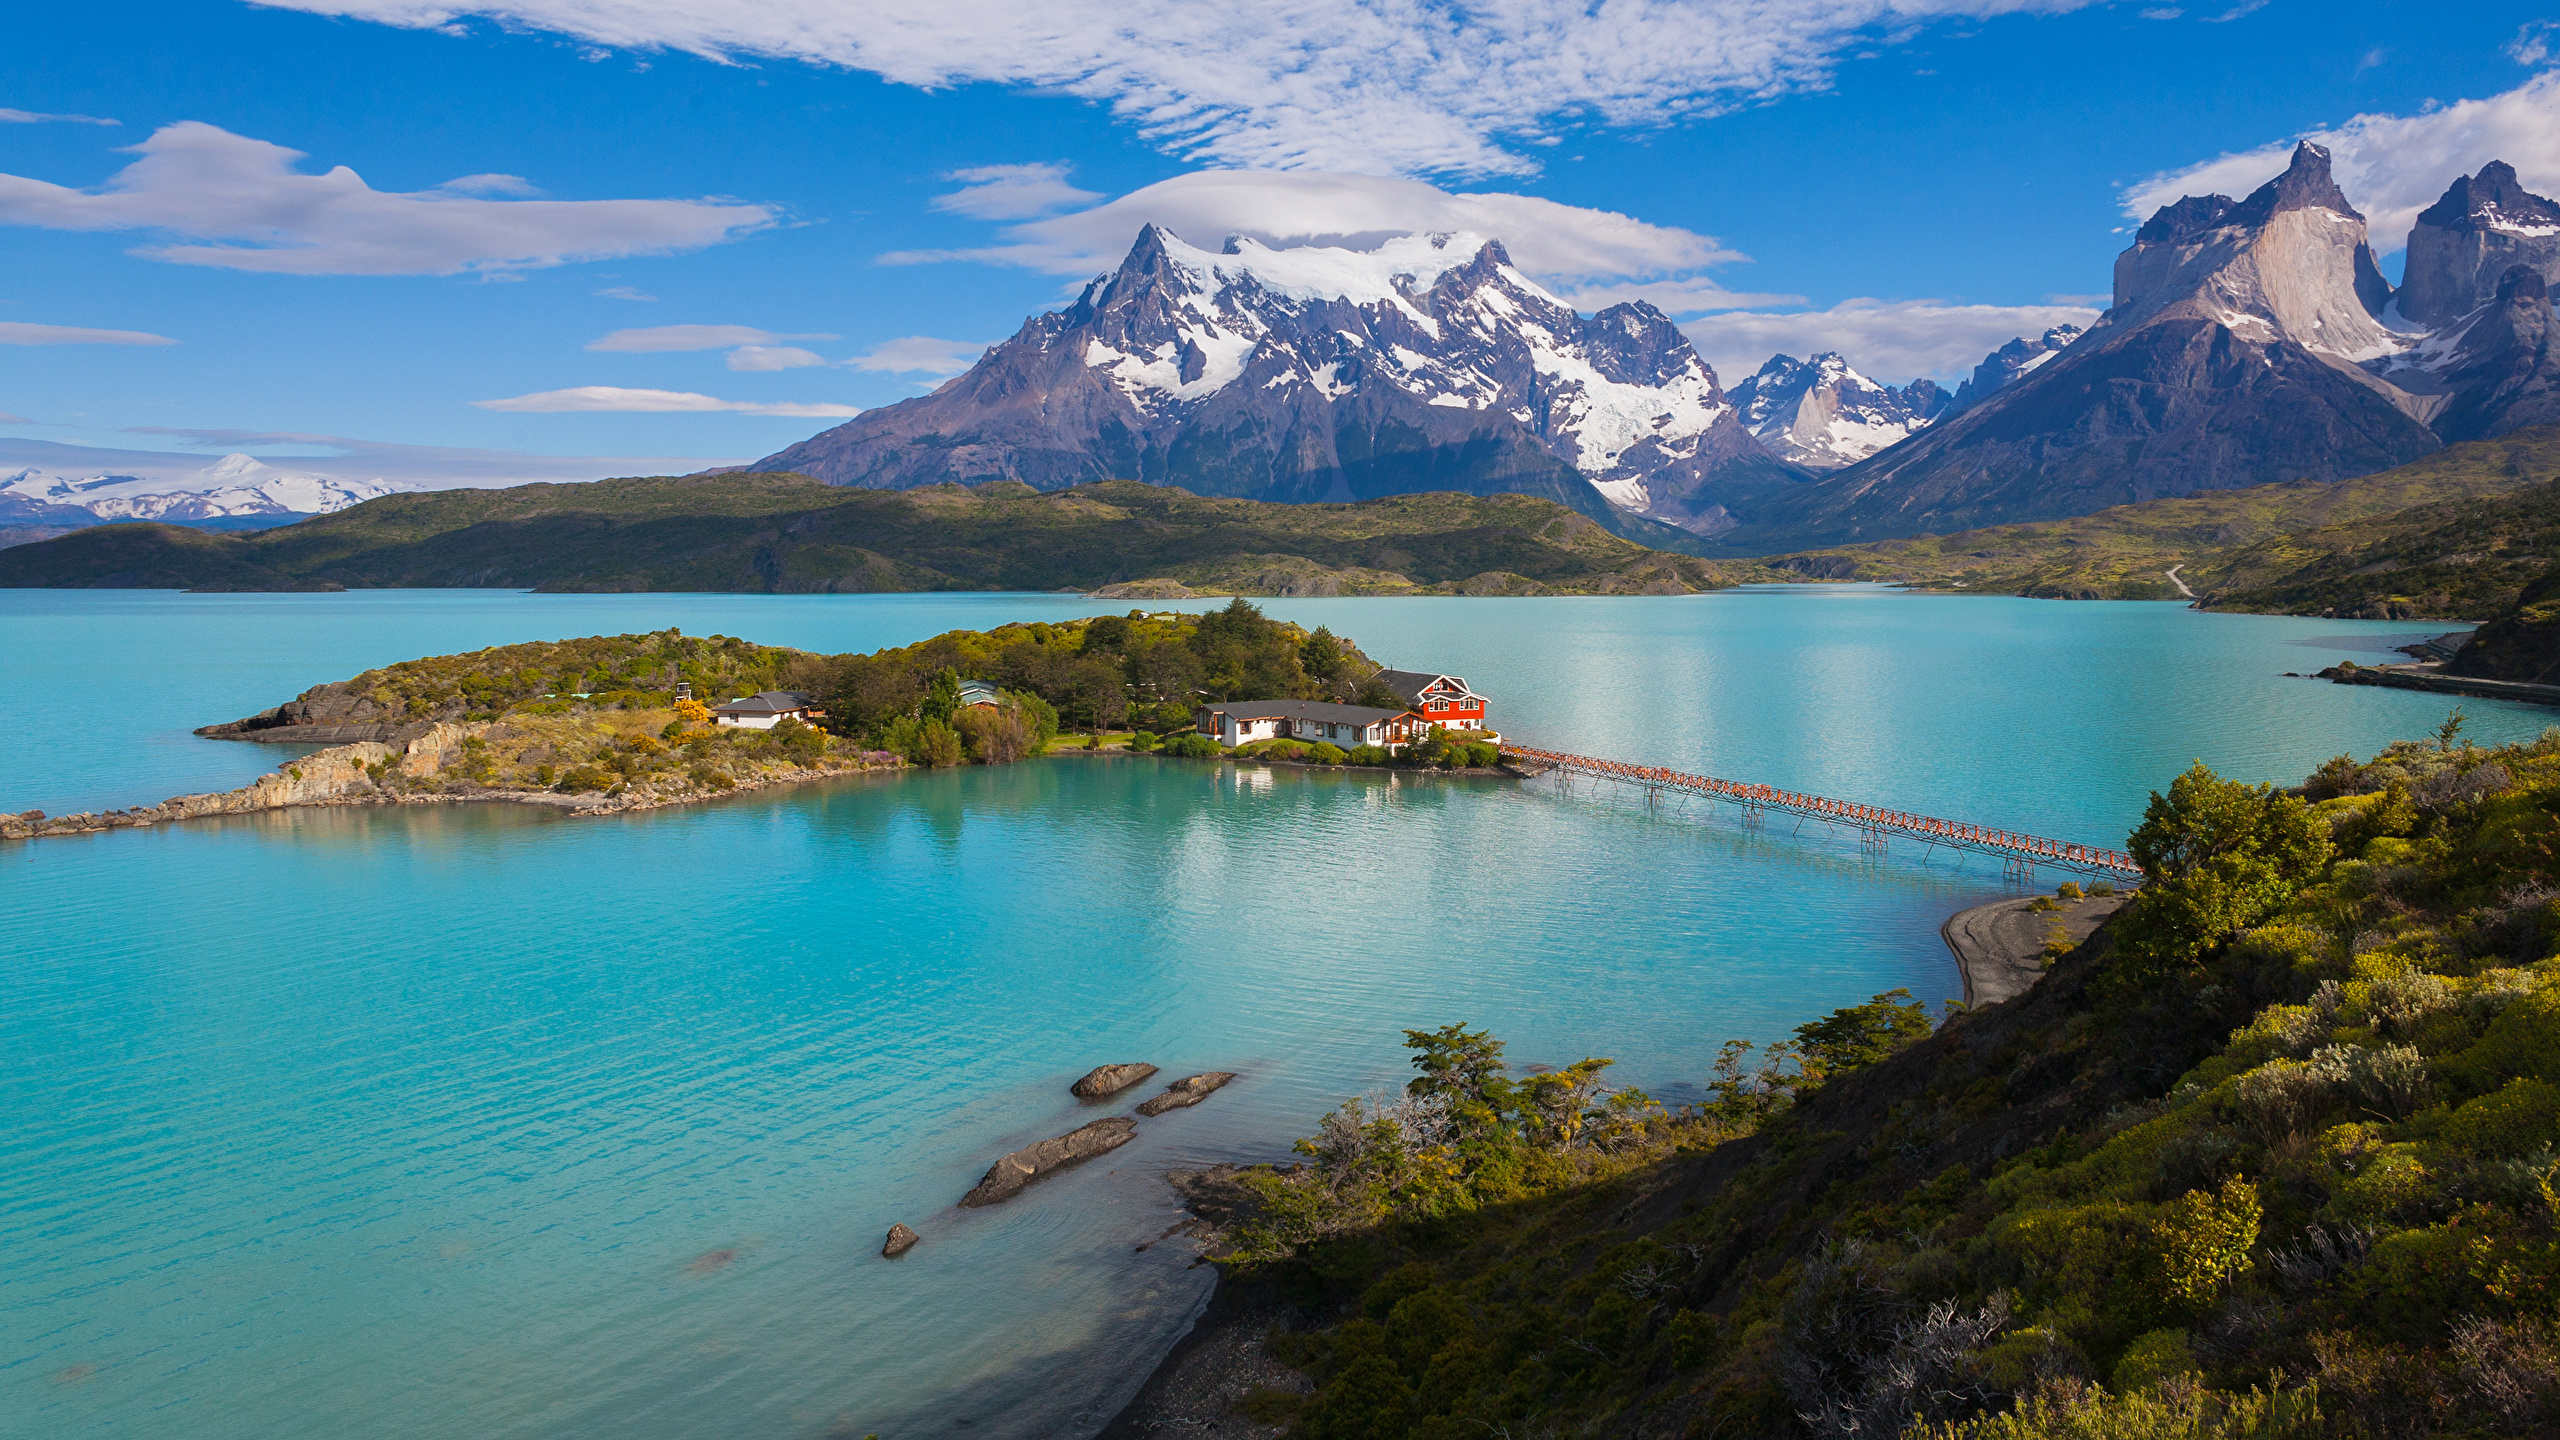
x: 1822, y: 414
x: 1188, y: 1091
x: 2463, y: 245
x: 1326, y: 374
x: 333, y: 714
x: 1009, y: 1176
x: 1104, y: 1080
x: 2493, y: 371
x: 900, y: 1240
x: 2522, y: 645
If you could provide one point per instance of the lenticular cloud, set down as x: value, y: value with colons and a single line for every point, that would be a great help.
x: 1372, y: 86
x: 259, y: 212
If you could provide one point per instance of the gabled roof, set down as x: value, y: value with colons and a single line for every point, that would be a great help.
x: 978, y: 687
x: 1317, y: 710
x: 770, y: 702
x: 1411, y: 683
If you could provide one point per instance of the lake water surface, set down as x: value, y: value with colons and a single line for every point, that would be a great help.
x: 477, y: 1121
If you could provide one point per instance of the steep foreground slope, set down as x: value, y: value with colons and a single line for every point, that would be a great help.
x: 1327, y: 374
x: 758, y: 532
x: 2272, y: 1155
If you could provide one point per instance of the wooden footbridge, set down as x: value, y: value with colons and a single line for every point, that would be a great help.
x: 1876, y: 826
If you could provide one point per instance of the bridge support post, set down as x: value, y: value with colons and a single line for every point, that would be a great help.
x: 2019, y: 870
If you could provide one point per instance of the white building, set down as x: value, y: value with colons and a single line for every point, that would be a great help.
x: 766, y: 710
x: 1237, y: 722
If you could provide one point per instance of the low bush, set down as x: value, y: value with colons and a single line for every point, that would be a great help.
x: 1190, y: 746
x: 1368, y: 755
x: 581, y: 779
x: 1326, y: 753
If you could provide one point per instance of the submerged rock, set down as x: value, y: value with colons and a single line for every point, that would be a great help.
x: 1104, y: 1080
x: 1007, y: 1177
x: 900, y: 1241
x: 1187, y: 1091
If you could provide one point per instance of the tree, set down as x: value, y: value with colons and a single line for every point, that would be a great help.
x: 2451, y: 727
x: 2217, y: 856
x: 1464, y: 1066
x: 1321, y: 654
x: 942, y: 699
x: 936, y: 745
x: 1856, y: 1035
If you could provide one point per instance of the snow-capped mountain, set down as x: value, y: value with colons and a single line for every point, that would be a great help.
x: 2249, y: 340
x: 2002, y: 367
x: 1822, y: 414
x: 1324, y: 373
x: 235, y: 486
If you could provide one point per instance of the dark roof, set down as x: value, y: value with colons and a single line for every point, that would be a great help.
x: 770, y: 702
x: 1411, y: 683
x: 1302, y: 710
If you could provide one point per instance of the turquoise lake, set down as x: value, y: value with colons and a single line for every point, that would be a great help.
x: 472, y: 1120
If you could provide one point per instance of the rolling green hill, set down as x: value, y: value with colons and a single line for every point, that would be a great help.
x: 777, y: 532
x: 2296, y: 546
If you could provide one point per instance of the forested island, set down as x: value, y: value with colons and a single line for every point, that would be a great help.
x: 2271, y: 1155
x: 607, y: 724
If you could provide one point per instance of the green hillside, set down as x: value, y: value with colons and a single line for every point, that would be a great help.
x: 767, y: 532
x: 2273, y: 1155
x: 2280, y: 545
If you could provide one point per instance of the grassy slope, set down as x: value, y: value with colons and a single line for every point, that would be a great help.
x: 789, y: 533
x: 2227, y: 540
x: 2074, y: 1150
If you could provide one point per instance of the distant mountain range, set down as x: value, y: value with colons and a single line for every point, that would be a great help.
x: 237, y: 492
x: 1821, y: 414
x: 2250, y: 341
x: 1322, y: 373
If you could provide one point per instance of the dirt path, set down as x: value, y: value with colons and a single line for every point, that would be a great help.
x: 2172, y: 573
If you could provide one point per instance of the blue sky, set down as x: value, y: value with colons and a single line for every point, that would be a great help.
x: 1969, y: 174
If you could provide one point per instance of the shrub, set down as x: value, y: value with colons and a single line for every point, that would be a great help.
x: 583, y: 778
x: 1326, y: 753
x: 2518, y: 1120
x: 2067, y: 890
x: 1368, y: 755
x: 2154, y: 1357
x: 936, y: 745
x: 1191, y: 745
x: 995, y: 736
x: 2282, y: 1097
x: 2203, y: 1241
x: 709, y: 778
x: 2218, y: 856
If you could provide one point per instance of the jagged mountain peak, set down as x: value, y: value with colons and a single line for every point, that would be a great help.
x: 1819, y: 412
x: 2494, y: 197
x: 1324, y: 372
x: 2463, y: 245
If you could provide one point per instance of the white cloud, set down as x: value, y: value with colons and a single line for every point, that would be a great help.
x: 34, y: 117
x: 1365, y: 86
x: 623, y: 292
x: 1694, y: 296
x: 416, y: 467
x: 14, y: 333
x: 669, y: 339
x: 613, y: 399
x: 921, y: 355
x: 1282, y: 209
x: 1012, y: 192
x: 772, y: 357
x: 2532, y: 45
x: 1889, y: 341
x: 2393, y: 166
x: 207, y: 184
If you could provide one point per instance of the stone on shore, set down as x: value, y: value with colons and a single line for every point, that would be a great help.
x: 1007, y: 1177
x: 1187, y: 1091
x: 1104, y: 1080
x: 900, y: 1241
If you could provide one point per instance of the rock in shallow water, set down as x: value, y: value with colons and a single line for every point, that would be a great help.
x: 1189, y: 1090
x: 1104, y: 1080
x: 1006, y: 1178
x: 900, y: 1241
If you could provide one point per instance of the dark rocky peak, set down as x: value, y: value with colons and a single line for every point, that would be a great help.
x: 2305, y: 185
x: 2493, y: 194
x: 2522, y: 283
x: 1636, y: 344
x: 2007, y: 363
x: 2183, y: 218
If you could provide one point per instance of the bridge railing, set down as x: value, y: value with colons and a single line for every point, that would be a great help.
x: 2028, y: 849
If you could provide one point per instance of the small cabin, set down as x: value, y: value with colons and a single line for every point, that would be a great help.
x: 1443, y: 700
x: 766, y: 710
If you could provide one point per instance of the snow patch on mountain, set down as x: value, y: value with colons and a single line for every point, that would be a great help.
x: 235, y: 485
x: 1822, y: 414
